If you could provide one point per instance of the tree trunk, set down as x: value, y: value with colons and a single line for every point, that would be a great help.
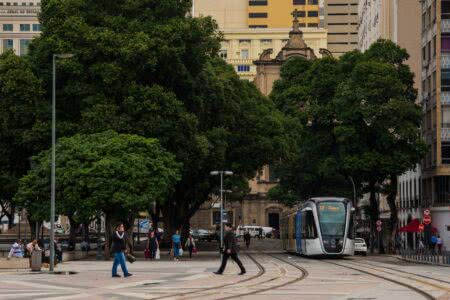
x: 394, y: 212
x: 154, y: 214
x: 108, y: 233
x: 374, y: 213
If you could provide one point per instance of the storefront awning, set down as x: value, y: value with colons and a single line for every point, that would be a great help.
x: 413, y: 226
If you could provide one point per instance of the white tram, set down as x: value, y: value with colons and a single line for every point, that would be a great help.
x: 319, y: 227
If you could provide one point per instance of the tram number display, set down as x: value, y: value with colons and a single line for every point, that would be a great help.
x: 329, y: 208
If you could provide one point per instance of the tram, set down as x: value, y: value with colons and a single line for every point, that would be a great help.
x: 319, y: 227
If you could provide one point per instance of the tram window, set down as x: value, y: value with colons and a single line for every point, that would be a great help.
x: 309, y: 230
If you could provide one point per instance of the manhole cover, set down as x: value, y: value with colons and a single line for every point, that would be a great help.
x: 64, y: 273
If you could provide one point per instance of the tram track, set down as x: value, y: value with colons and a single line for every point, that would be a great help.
x: 261, y: 272
x: 358, y: 268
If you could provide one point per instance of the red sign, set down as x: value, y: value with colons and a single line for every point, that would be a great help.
x: 379, y: 223
x: 378, y: 228
x: 426, y: 212
x: 421, y: 227
x: 426, y: 220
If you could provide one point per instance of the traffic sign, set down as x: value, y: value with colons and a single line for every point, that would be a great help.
x: 426, y: 220
x: 379, y: 223
x: 378, y: 228
x: 426, y: 212
x: 421, y: 227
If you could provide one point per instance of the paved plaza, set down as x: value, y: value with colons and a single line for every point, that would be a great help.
x: 269, y: 276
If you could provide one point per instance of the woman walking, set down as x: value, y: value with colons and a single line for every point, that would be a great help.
x: 152, y: 245
x: 119, y: 248
x: 190, y: 245
x: 176, y: 244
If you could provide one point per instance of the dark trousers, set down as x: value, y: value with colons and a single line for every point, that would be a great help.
x: 152, y: 252
x: 235, y: 257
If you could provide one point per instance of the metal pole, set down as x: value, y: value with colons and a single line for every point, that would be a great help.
x: 19, y: 225
x: 99, y: 228
x: 139, y: 232
x: 53, y: 180
x: 221, y: 211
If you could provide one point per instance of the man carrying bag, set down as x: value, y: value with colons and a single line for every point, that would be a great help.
x: 230, y: 250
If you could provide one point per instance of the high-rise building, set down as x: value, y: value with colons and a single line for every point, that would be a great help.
x: 341, y: 21
x: 245, y: 40
x: 435, y: 99
x: 18, y: 25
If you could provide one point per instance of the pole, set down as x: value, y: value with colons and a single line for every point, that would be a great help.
x: 354, y: 192
x: 99, y: 228
x: 53, y: 180
x: 139, y: 232
x: 221, y: 212
x: 19, y: 226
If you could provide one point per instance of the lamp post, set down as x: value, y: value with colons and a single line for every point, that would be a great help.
x: 221, y: 173
x: 53, y: 180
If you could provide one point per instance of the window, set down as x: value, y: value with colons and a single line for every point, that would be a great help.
x: 337, y: 33
x: 8, y: 44
x: 25, y: 27
x: 445, y: 9
x: 7, y: 27
x: 313, y: 13
x: 445, y: 80
x: 313, y: 2
x: 445, y: 150
x: 223, y: 54
x: 445, y: 43
x: 332, y: 218
x: 309, y: 230
x: 301, y: 14
x: 337, y: 23
x: 313, y: 25
x: 257, y: 15
x: 227, y: 216
x: 445, y: 117
x: 257, y: 26
x: 338, y: 14
x: 24, y: 46
x: 36, y: 27
x: 266, y: 41
x: 244, y: 54
x: 243, y: 68
x: 299, y: 2
x: 257, y: 3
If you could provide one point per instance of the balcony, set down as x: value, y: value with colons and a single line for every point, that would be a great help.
x: 445, y: 26
x: 445, y: 60
x: 445, y: 133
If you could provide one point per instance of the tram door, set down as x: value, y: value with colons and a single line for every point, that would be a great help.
x: 298, y: 232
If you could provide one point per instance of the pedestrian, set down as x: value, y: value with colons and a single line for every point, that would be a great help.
x: 119, y: 248
x: 16, y: 249
x: 176, y: 244
x: 190, y: 245
x: 260, y: 233
x: 439, y: 244
x: 433, y: 243
x: 247, y: 238
x: 152, y: 245
x: 421, y: 246
x: 31, y: 247
x: 58, y: 251
x: 230, y: 250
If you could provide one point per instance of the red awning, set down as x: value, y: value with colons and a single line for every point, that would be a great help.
x: 413, y: 226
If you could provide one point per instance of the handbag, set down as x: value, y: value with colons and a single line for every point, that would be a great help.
x: 147, y: 253
x: 130, y: 258
x: 158, y: 254
x: 180, y: 252
x: 194, y: 250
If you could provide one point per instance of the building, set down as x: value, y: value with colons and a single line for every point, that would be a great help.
x: 341, y: 21
x: 19, y: 25
x: 241, y: 47
x: 435, y: 100
x: 252, y: 26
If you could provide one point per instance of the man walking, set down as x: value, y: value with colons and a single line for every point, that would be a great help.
x: 230, y: 250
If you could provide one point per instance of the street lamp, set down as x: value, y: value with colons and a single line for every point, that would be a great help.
x: 221, y: 173
x: 53, y: 180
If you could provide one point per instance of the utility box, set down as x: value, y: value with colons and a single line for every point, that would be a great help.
x: 36, y: 260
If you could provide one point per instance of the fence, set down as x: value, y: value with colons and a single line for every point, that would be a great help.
x: 427, y: 256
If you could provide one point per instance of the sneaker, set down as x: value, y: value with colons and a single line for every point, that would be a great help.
x: 218, y: 273
x: 116, y: 275
x: 242, y: 272
x: 128, y: 275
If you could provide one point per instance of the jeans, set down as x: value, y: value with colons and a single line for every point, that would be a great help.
x: 119, y: 258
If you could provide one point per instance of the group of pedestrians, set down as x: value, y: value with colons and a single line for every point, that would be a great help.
x: 19, y: 250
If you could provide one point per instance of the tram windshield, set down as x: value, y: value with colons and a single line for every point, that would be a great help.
x: 332, y: 218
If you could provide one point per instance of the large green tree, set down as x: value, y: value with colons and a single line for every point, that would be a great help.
x: 144, y: 67
x: 116, y: 174
x: 20, y: 103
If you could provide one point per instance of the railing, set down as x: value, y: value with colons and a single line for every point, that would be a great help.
x: 445, y: 134
x: 445, y: 60
x: 426, y: 256
x: 445, y: 25
x: 445, y: 98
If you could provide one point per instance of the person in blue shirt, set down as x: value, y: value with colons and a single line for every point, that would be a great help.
x: 433, y: 243
x: 176, y: 244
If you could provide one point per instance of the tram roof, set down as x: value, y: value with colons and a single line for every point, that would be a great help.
x: 320, y: 199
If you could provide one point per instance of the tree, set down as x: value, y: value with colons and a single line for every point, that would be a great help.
x: 114, y: 173
x: 20, y: 103
x: 143, y: 67
x: 379, y: 122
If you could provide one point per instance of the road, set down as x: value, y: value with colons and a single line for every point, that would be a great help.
x: 271, y: 275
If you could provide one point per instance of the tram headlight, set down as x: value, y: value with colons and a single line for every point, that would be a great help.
x: 341, y: 242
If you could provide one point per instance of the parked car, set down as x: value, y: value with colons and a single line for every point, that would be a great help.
x: 360, y: 246
x: 202, y: 235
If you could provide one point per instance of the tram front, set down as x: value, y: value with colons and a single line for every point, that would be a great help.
x: 333, y: 220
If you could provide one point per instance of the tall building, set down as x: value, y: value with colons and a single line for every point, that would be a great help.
x: 341, y: 21
x: 18, y: 25
x: 435, y: 99
x: 245, y: 39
